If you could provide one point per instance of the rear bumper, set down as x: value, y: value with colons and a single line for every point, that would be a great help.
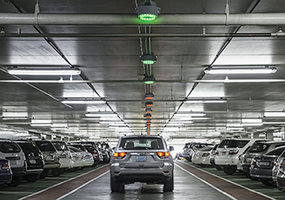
x: 19, y: 171
x: 265, y: 174
x: 5, y: 178
x: 148, y: 175
x: 51, y: 165
x: 34, y: 171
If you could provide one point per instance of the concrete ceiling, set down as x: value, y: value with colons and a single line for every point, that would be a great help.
x: 109, y: 60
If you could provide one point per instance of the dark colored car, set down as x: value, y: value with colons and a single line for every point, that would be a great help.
x: 5, y: 171
x: 51, y: 156
x: 141, y: 158
x: 91, y: 149
x: 34, y: 159
x: 258, y: 148
x: 261, y: 166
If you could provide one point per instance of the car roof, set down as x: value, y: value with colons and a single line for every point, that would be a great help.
x: 141, y: 136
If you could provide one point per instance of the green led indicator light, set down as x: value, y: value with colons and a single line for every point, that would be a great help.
x: 147, y: 17
x: 148, y: 62
x: 149, y: 82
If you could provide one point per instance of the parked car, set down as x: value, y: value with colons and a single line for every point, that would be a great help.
x: 5, y: 171
x: 51, y: 156
x: 65, y: 157
x: 141, y: 158
x: 104, y: 152
x: 277, y: 165
x: 202, y: 156
x: 213, y: 154
x: 229, y: 151
x: 258, y: 148
x: 261, y: 166
x: 88, y: 157
x: 186, y: 150
x: 96, y: 155
x: 34, y: 158
x: 77, y: 157
x: 12, y: 151
x: 280, y: 176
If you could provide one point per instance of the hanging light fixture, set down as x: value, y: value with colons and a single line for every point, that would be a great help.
x: 148, y: 59
x: 149, y: 80
x: 148, y: 96
x: 148, y: 110
x: 148, y: 115
x: 147, y: 11
x: 241, y: 70
x: 148, y: 103
x: 44, y: 71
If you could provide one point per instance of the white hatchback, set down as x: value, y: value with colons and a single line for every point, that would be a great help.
x: 229, y: 151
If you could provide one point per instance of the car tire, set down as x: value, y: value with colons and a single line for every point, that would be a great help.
x: 56, y: 172
x: 229, y: 170
x: 266, y: 182
x: 32, y: 177
x: 117, y: 186
x: 15, y: 181
x: 168, y: 186
x: 44, y: 174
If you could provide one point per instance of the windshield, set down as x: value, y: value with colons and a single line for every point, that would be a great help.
x: 277, y: 151
x: 9, y: 147
x: 61, y: 146
x: 45, y: 146
x: 233, y: 143
x: 258, y: 147
x: 141, y: 143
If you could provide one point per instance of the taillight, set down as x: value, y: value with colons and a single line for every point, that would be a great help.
x: 275, y: 162
x: 216, y: 152
x: 253, y: 161
x: 5, y: 165
x: 119, y: 155
x: 163, y: 154
x: 232, y: 152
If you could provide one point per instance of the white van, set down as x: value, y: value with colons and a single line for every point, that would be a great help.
x: 229, y: 151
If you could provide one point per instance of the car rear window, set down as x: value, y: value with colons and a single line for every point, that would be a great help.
x: 9, y: 147
x: 233, y: 143
x: 28, y: 146
x: 258, y: 147
x: 45, y: 146
x: 61, y: 146
x: 141, y: 143
x: 277, y: 151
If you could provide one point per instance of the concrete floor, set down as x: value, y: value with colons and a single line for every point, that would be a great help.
x: 186, y: 186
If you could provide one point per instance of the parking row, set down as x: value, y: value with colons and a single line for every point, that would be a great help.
x: 33, y: 159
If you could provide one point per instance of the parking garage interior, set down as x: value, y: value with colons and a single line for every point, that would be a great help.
x: 189, y: 71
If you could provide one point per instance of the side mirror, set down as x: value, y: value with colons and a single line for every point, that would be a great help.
x: 171, y: 148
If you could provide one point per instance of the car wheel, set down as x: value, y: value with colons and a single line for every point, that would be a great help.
x: 117, y: 186
x: 168, y: 186
x: 32, y: 177
x: 56, y: 172
x: 229, y: 170
x: 266, y: 182
x: 15, y: 181
x: 44, y: 174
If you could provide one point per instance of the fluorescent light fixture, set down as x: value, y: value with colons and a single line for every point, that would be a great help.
x: 41, y: 121
x: 14, y: 115
x: 83, y: 102
x: 240, y: 70
x: 147, y: 11
x: 59, y: 125
x: 100, y: 114
x: 205, y: 101
x: 251, y: 120
x: 41, y: 125
x: 252, y: 124
x: 45, y: 71
x: 274, y: 114
x: 190, y: 114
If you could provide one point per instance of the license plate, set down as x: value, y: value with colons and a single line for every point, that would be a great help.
x: 141, y: 158
x: 13, y: 162
x: 264, y: 163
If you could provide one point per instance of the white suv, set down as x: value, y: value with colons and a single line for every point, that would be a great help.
x: 229, y: 151
x: 12, y: 151
x: 141, y: 158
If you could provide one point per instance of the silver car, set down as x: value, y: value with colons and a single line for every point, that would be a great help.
x: 141, y: 158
